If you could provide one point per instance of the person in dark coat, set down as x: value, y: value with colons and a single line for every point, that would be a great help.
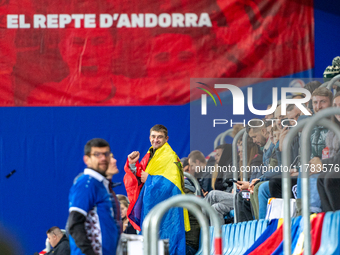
x: 58, y: 241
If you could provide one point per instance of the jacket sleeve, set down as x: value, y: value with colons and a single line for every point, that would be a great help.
x: 77, y: 231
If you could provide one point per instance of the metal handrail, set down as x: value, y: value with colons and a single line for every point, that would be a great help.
x: 195, y: 182
x: 319, y: 118
x: 217, y: 139
x: 234, y: 151
x: 332, y: 81
x: 152, y: 222
x: 235, y: 164
x: 220, y: 138
x: 245, y: 155
x: 225, y: 134
x: 286, y: 184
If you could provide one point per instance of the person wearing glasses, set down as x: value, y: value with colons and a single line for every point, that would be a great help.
x: 92, y: 220
x: 58, y: 241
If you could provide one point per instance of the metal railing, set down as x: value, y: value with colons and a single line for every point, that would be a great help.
x: 286, y: 184
x: 319, y: 119
x: 152, y: 223
x: 225, y: 134
x: 235, y: 164
x: 220, y: 138
x: 333, y: 80
x: 195, y: 182
x: 245, y: 156
x: 306, y: 125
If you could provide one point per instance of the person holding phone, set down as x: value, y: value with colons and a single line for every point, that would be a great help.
x: 243, y: 209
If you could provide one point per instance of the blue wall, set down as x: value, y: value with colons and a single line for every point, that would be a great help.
x: 45, y: 145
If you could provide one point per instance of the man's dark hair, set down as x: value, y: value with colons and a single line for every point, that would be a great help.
x: 95, y: 142
x: 54, y: 230
x: 257, y: 125
x: 160, y: 128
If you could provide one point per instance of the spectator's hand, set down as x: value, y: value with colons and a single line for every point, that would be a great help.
x: 251, y: 186
x: 242, y: 185
x: 144, y: 176
x: 204, y: 193
x: 315, y: 166
x: 282, y: 136
x: 293, y: 172
x: 133, y: 157
x: 253, y: 182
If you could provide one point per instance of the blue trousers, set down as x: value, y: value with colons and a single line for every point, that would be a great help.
x: 264, y: 195
x: 315, y: 201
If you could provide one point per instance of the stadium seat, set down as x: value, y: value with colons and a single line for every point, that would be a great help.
x: 231, y: 241
x: 246, y: 237
x: 225, y: 237
x: 261, y: 226
x: 254, y: 225
x: 241, y: 238
x: 237, y: 242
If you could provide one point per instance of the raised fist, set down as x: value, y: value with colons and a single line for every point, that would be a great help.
x: 133, y: 157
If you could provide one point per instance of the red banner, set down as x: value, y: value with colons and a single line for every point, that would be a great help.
x: 70, y: 52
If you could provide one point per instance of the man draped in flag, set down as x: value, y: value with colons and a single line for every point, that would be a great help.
x: 156, y: 178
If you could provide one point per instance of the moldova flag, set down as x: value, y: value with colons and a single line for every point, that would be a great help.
x: 164, y: 181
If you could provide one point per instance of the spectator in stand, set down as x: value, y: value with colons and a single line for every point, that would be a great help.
x: 185, y: 164
x: 260, y: 135
x: 221, y: 199
x: 124, y: 205
x: 321, y: 99
x: 311, y: 86
x: 243, y: 205
x: 274, y: 161
x: 224, y: 171
x: 157, y: 177
x: 332, y: 71
x: 58, y: 241
x: 332, y: 141
x: 329, y: 181
x: 199, y: 169
x: 188, y: 184
x: 219, y: 151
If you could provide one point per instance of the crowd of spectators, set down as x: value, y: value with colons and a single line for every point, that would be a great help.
x: 156, y: 178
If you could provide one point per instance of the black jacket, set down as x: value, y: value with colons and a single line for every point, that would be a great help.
x: 62, y: 248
